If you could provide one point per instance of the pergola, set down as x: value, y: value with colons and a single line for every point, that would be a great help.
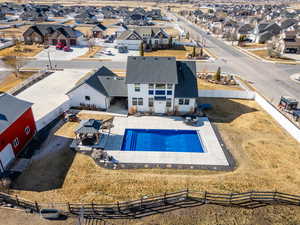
x: 89, y: 129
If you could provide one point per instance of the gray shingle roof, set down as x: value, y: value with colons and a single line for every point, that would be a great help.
x: 90, y: 126
x: 105, y: 82
x: 187, y: 81
x: 13, y: 109
x: 146, y: 70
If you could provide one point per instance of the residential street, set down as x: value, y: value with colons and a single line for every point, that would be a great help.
x: 272, y: 80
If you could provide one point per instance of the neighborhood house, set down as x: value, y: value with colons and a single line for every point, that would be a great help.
x: 51, y: 34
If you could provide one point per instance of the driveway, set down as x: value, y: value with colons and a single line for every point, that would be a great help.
x: 116, y: 56
x: 60, y: 54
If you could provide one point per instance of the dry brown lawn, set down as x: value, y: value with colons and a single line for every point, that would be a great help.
x: 91, y: 52
x: 12, y: 80
x: 260, y: 147
x: 264, y: 54
x: 23, y: 51
x: 107, y: 22
x: 254, y: 45
x: 205, y: 85
x: 86, y: 30
x: 172, y: 32
x: 14, y: 32
x: 178, y: 53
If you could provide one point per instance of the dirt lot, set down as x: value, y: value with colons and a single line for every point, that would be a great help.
x: 12, y: 80
x: 22, y: 50
x: 107, y: 22
x: 19, y: 217
x: 205, y: 85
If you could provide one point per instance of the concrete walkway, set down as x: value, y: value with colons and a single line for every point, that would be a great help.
x: 213, y: 153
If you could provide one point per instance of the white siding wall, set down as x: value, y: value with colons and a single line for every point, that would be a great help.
x: 185, y: 108
x: 143, y: 93
x: 78, y: 96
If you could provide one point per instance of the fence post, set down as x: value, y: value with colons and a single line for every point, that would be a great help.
x: 205, y: 197
x: 165, y: 198
x: 69, y: 207
x: 187, y: 193
x: 17, y: 201
x: 141, y: 204
x: 93, y: 208
x: 37, y: 206
x: 274, y: 196
x: 118, y: 205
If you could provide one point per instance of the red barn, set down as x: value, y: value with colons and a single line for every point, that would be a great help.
x: 17, y: 127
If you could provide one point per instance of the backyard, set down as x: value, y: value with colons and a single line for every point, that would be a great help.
x: 253, y: 137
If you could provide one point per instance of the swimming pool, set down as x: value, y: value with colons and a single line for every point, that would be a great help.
x: 162, y: 140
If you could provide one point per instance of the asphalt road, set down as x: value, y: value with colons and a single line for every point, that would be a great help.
x: 271, y: 80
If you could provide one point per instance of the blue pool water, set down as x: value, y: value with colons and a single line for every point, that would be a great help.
x: 161, y: 140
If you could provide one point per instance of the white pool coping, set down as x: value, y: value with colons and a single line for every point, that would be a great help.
x: 213, y: 155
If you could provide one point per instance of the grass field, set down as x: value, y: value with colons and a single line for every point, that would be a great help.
x: 260, y: 147
x: 264, y: 54
x: 24, y: 50
x: 12, y: 80
x: 14, y: 32
x: 91, y: 52
x: 178, y: 53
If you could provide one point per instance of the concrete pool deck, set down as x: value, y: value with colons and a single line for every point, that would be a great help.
x: 213, y: 156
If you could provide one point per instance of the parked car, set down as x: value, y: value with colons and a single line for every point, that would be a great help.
x: 60, y: 45
x: 67, y: 49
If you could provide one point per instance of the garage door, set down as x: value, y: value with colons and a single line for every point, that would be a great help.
x: 6, y: 156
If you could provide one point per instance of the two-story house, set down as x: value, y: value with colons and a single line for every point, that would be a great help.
x: 153, y: 37
x: 161, y: 85
x: 152, y: 84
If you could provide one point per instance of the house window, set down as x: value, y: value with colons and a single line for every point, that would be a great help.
x: 140, y: 101
x: 87, y: 98
x: 27, y: 130
x: 16, y: 142
x: 181, y: 101
x: 160, y: 92
x: 151, y: 102
x: 169, y: 86
x: 169, y: 92
x: 151, y: 92
x: 134, y: 101
x: 160, y: 86
x: 137, y: 87
x: 151, y: 86
x: 169, y: 102
x: 186, y: 101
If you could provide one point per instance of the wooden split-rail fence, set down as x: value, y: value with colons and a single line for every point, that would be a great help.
x: 147, y: 206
